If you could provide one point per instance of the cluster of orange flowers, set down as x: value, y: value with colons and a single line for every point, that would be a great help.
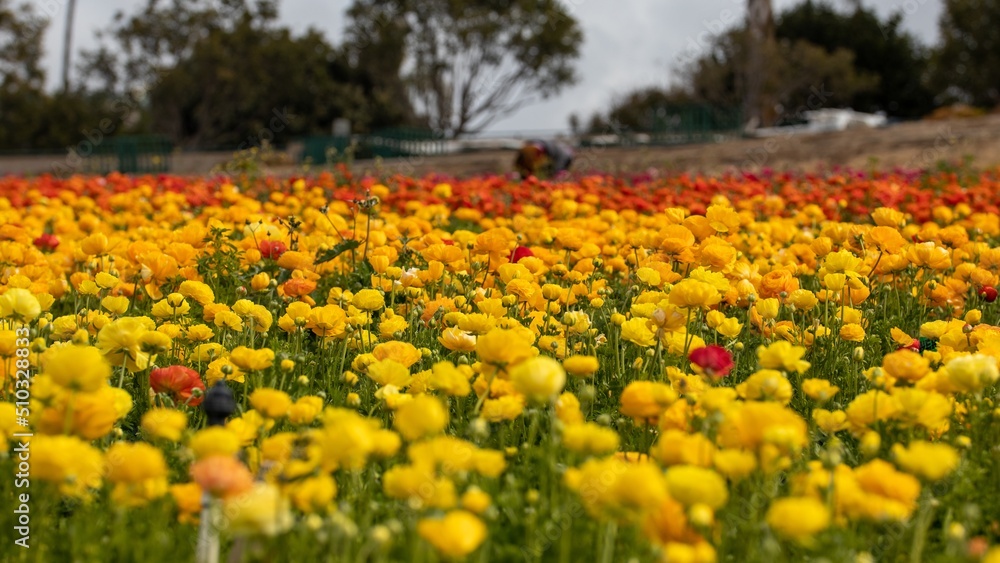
x: 670, y: 355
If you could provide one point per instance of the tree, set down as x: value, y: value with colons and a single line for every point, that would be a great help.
x: 373, y: 54
x: 21, y: 36
x: 795, y: 72
x: 967, y: 64
x: 148, y: 43
x: 880, y: 48
x: 22, y: 79
x: 470, y: 62
x: 243, y: 87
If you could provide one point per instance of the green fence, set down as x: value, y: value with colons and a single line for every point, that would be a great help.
x: 385, y: 143
x: 676, y: 125
x: 686, y: 124
x: 130, y: 155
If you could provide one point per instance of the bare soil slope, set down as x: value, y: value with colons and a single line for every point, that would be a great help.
x: 910, y: 145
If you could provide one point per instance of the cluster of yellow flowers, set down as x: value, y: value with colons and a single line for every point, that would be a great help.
x: 666, y: 362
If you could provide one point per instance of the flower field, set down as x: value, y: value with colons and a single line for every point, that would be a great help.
x: 675, y: 368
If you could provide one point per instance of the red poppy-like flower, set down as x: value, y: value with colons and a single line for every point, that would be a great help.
x: 272, y: 249
x: 714, y: 361
x: 519, y: 253
x: 179, y: 382
x: 988, y: 293
x: 47, y: 241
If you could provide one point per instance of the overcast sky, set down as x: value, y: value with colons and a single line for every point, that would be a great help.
x: 628, y: 43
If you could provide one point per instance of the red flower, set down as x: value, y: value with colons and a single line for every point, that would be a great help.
x: 713, y: 360
x: 47, y: 241
x: 988, y: 293
x: 179, y: 382
x: 272, y: 249
x: 520, y: 252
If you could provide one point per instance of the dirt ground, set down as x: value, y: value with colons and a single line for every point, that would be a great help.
x: 908, y: 145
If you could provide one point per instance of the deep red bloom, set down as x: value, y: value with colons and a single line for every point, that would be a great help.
x: 272, y: 249
x: 179, y: 382
x: 520, y: 252
x: 47, y: 241
x: 988, y: 293
x: 714, y: 360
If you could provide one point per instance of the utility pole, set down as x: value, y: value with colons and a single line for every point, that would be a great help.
x: 68, y: 43
x: 760, y: 36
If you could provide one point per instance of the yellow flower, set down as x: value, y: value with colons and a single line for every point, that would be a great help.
x: 138, y: 471
x: 77, y: 368
x: 305, y: 409
x: 539, y: 379
x: 115, y: 305
x: 106, y: 280
x: 906, y: 364
x: 973, y: 372
x: 871, y: 407
x: 691, y: 293
x: 420, y: 485
x: 199, y: 333
x: 475, y: 500
x: 198, y: 291
x: 456, y: 535
x: 642, y: 400
x: 766, y: 385
x: 830, y: 422
x: 252, y: 360
x: 164, y: 423
x: 852, y: 332
x: 272, y: 403
x: 448, y: 379
x: 457, y: 340
x: 94, y: 244
x: 507, y: 407
x: 675, y: 447
x: 581, y: 366
x: 423, y: 416
x: 401, y: 352
x: 613, y: 488
x: 505, y: 346
x: 214, y: 440
x: 930, y: 461
x: 261, y: 510
x: 120, y: 342
x: 73, y: 465
x: 697, y: 485
x: 368, y: 300
x: 798, y: 518
x: 768, y: 308
x: 389, y: 372
x: 637, y: 331
x: 784, y: 356
x: 312, y: 494
x: 20, y: 304
x: 734, y: 464
x: 590, y: 439
x: 819, y: 390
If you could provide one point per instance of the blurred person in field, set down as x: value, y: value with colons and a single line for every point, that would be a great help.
x: 538, y: 158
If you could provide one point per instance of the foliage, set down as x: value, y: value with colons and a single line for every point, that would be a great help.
x: 967, y: 64
x: 471, y: 62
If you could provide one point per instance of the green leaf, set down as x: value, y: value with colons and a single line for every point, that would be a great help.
x: 338, y: 249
